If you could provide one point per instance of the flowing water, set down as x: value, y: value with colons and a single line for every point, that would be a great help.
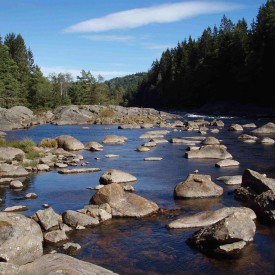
x: 146, y: 246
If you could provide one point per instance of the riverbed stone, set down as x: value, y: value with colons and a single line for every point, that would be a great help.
x: 227, y: 163
x: 211, y: 141
x: 235, y: 127
x: 62, y: 264
x: 9, y: 170
x: 16, y: 184
x: 20, y: 239
x: 231, y: 180
x: 267, y: 128
x: 74, y: 218
x: 16, y: 208
x: 207, y: 218
x: 223, y: 237
x: 69, y: 143
x: 267, y: 140
x: 122, y: 203
x: 197, y: 186
x: 55, y: 236
x: 114, y: 139
x: 209, y: 151
x: 11, y: 153
x: 94, y: 146
x: 116, y: 176
x: 247, y: 138
x: 48, y: 219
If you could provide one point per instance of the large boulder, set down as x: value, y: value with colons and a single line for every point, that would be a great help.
x: 17, y: 117
x: 116, y: 176
x: 207, y: 218
x: 69, y: 143
x: 123, y: 204
x: 197, y: 186
x: 20, y: 239
x: 209, y: 151
x: 227, y: 237
x: 258, y: 192
x: 268, y: 128
x: 9, y: 170
x: 62, y: 264
x: 11, y: 153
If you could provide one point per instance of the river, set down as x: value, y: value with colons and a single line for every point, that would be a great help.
x: 146, y: 246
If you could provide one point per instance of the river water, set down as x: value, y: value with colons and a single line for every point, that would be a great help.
x: 146, y: 246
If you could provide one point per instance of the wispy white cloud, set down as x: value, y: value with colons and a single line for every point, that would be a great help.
x: 75, y: 72
x: 109, y: 38
x: 154, y: 46
x: 156, y: 14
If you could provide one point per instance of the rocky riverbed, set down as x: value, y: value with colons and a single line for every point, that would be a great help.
x: 226, y: 232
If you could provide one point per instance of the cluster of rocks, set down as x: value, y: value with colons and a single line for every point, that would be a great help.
x: 224, y: 232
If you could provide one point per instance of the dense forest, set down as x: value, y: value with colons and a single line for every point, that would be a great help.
x: 232, y: 62
x: 22, y: 82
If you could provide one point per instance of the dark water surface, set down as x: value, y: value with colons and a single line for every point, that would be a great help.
x: 146, y: 246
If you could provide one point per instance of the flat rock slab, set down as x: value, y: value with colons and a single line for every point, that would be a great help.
x: 109, y: 156
x: 16, y: 208
x: 62, y: 264
x: 153, y: 159
x: 207, y: 218
x: 227, y: 163
x: 78, y: 170
x: 114, y: 139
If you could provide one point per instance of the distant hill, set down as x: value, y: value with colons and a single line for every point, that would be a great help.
x: 127, y: 82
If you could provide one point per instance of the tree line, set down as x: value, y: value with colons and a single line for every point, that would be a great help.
x: 232, y: 62
x: 23, y: 83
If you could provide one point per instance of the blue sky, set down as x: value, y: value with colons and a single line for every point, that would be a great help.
x: 112, y: 38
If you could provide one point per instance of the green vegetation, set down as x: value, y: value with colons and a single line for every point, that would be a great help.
x: 26, y: 145
x: 230, y: 63
x: 48, y: 143
x: 22, y: 82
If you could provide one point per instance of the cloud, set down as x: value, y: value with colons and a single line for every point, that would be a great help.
x: 156, y: 14
x: 75, y: 72
x: 108, y: 38
x: 154, y: 46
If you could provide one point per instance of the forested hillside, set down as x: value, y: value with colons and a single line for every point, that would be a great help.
x: 232, y: 62
x: 22, y: 82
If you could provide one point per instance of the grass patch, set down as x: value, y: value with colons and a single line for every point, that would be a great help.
x: 48, y: 143
x: 25, y: 145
